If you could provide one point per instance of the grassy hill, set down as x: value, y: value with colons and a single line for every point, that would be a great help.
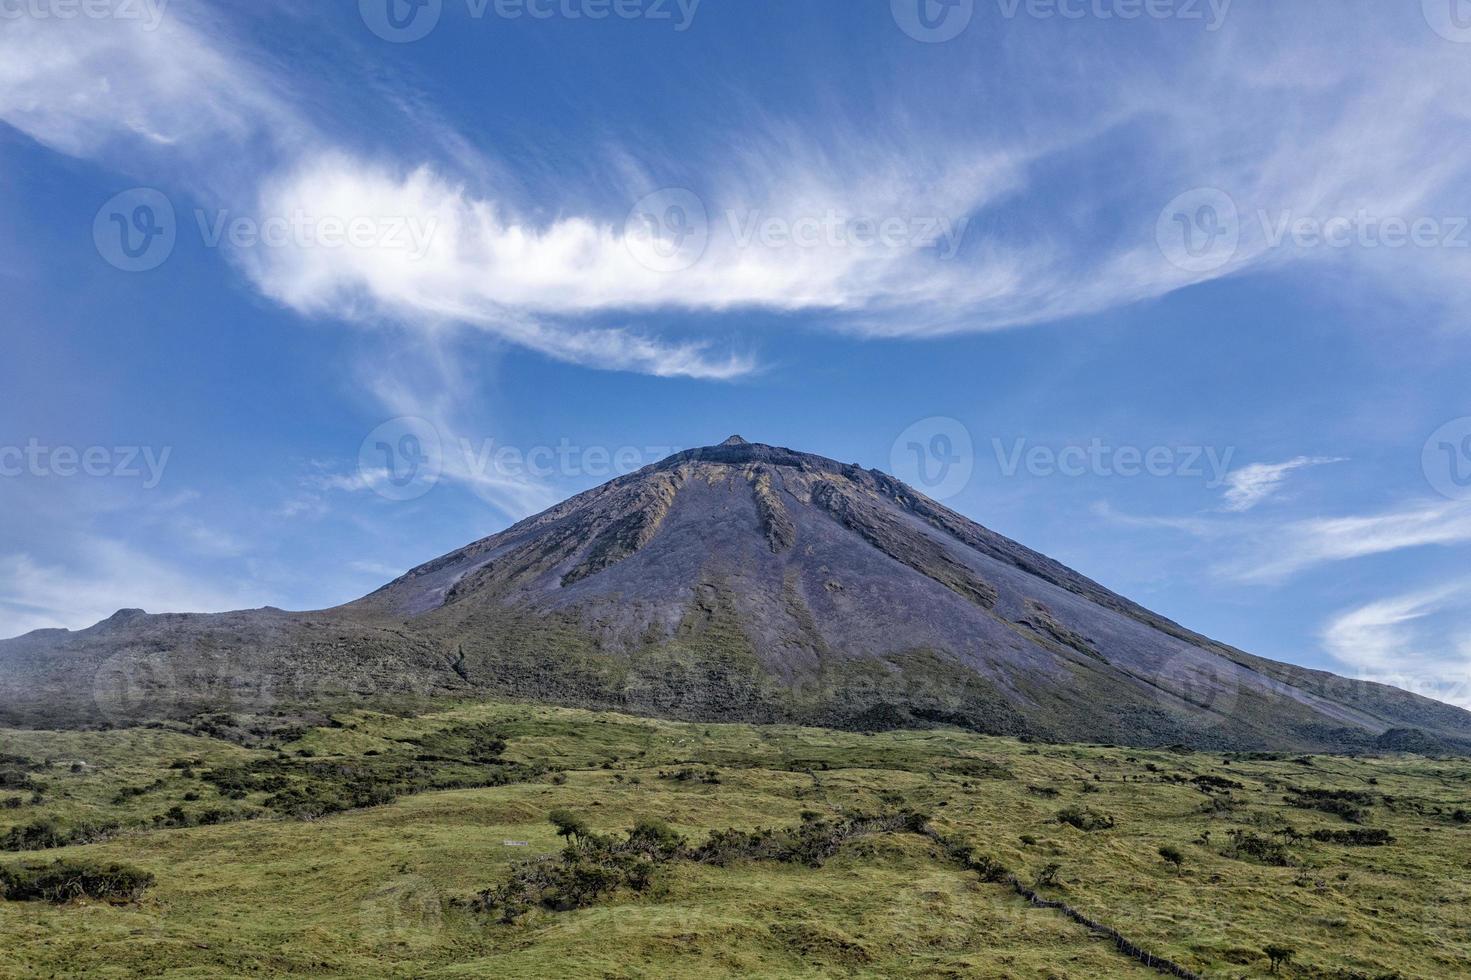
x: 358, y: 848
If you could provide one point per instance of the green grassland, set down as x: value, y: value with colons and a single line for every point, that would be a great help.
x: 357, y: 848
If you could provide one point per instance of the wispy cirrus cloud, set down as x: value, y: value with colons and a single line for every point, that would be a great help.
x: 990, y: 229
x: 1296, y: 546
x: 1254, y: 484
x: 1268, y: 551
x: 991, y: 226
x: 1420, y: 641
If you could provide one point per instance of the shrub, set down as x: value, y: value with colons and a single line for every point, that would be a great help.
x: 64, y: 881
x: 1084, y: 819
x: 1351, y: 805
x: 1358, y: 837
x: 1279, y: 955
x: 656, y: 836
x: 1246, y: 845
x: 598, y: 865
x: 46, y: 832
x: 593, y: 867
x: 568, y: 825
x: 988, y: 868
x: 1173, y: 855
x: 16, y: 779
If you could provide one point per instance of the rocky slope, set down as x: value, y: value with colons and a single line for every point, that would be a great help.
x: 741, y: 582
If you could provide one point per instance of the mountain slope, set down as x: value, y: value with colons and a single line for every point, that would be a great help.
x: 746, y: 582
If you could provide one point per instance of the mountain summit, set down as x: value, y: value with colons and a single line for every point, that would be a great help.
x: 741, y: 582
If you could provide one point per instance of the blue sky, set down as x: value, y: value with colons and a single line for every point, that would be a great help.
x: 1175, y: 292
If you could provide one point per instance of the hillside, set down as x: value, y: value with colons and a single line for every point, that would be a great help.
x: 740, y: 582
x: 361, y: 847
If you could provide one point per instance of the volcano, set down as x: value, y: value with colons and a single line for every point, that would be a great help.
x: 739, y: 582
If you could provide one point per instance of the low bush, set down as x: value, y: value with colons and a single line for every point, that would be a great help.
x: 593, y: 865
x: 1358, y: 837
x: 17, y: 779
x: 65, y: 881
x: 1351, y: 805
x: 44, y: 833
x: 1084, y: 818
x: 1246, y: 845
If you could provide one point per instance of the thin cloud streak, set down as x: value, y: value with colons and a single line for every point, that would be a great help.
x: 1267, y: 552
x: 1257, y: 483
x: 1420, y: 642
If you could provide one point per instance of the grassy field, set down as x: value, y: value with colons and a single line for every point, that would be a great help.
x: 267, y: 861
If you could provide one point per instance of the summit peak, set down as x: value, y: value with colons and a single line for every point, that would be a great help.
x: 735, y: 441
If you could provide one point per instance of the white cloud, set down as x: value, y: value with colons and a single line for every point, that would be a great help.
x: 37, y: 595
x: 1271, y: 551
x: 1251, y: 485
x: 89, y: 86
x: 1284, y: 550
x: 1200, y: 527
x: 377, y: 569
x: 1001, y: 237
x: 1420, y: 642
